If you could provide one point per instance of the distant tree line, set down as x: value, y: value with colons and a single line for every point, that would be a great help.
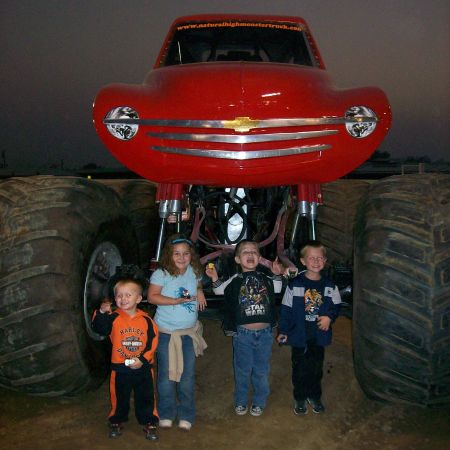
x: 379, y: 156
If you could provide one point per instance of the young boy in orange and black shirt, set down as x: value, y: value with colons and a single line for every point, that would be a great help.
x: 134, y: 338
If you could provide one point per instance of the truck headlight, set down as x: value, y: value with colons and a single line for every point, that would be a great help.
x: 360, y: 121
x: 121, y: 122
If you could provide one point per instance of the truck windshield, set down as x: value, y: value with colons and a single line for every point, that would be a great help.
x: 274, y: 42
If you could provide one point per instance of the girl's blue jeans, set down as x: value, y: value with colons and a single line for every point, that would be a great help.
x: 176, y: 400
x: 252, y: 350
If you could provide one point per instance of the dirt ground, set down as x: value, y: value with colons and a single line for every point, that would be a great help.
x: 351, y: 421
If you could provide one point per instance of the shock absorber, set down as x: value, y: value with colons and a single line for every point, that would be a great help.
x: 315, y: 199
x: 302, y: 210
x: 309, y: 197
x: 169, y: 197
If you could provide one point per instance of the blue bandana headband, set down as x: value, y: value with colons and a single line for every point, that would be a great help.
x: 182, y: 241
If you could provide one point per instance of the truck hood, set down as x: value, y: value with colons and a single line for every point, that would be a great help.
x: 210, y: 123
x: 228, y: 90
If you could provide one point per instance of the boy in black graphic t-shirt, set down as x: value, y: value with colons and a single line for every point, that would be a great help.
x: 249, y: 316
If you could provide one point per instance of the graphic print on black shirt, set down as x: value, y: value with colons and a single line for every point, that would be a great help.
x: 313, y: 300
x: 253, y: 298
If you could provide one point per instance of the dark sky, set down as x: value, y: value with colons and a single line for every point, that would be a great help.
x: 56, y: 55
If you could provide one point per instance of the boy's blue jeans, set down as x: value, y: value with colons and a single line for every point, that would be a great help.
x: 251, y: 358
x: 176, y: 400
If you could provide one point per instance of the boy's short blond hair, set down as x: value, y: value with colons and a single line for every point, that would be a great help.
x: 312, y: 244
x: 238, y: 249
x: 125, y: 281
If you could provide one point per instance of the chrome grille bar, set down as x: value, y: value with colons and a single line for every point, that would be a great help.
x: 243, y: 155
x: 243, y: 138
x: 265, y: 123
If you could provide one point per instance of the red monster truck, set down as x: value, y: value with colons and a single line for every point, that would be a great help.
x: 244, y: 133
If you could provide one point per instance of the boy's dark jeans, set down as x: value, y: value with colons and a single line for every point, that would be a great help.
x: 307, y: 371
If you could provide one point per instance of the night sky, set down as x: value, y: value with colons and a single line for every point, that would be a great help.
x: 57, y: 54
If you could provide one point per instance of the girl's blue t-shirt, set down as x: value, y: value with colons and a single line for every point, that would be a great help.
x: 184, y: 315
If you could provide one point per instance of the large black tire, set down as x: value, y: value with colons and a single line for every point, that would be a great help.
x: 138, y: 197
x: 401, y: 332
x: 336, y: 218
x: 61, y: 238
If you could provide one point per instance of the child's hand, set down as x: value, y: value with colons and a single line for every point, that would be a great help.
x: 277, y: 267
x: 282, y: 338
x: 211, y: 272
x: 290, y: 272
x: 105, y: 306
x: 136, y: 365
x: 201, y: 301
x: 323, y: 322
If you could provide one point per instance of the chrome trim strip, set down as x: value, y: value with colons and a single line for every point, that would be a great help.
x: 243, y: 138
x: 242, y: 155
x: 266, y: 123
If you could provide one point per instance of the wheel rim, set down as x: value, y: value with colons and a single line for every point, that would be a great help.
x: 102, y: 265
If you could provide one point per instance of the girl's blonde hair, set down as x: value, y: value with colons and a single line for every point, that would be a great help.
x: 166, y: 262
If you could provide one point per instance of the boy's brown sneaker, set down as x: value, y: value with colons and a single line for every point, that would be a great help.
x: 151, y: 432
x: 115, y: 430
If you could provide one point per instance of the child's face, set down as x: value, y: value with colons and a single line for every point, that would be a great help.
x: 181, y: 255
x: 314, y: 260
x: 127, y: 296
x: 248, y: 257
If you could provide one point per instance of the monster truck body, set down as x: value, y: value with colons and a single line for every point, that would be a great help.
x: 240, y: 101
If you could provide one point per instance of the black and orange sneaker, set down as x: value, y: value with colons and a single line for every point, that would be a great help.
x: 151, y: 432
x: 115, y: 430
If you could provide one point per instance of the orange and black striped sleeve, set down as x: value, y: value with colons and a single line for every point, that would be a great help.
x: 148, y: 354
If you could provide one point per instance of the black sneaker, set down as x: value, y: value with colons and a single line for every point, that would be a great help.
x: 300, y: 408
x: 151, y: 432
x: 317, y: 405
x: 115, y: 430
